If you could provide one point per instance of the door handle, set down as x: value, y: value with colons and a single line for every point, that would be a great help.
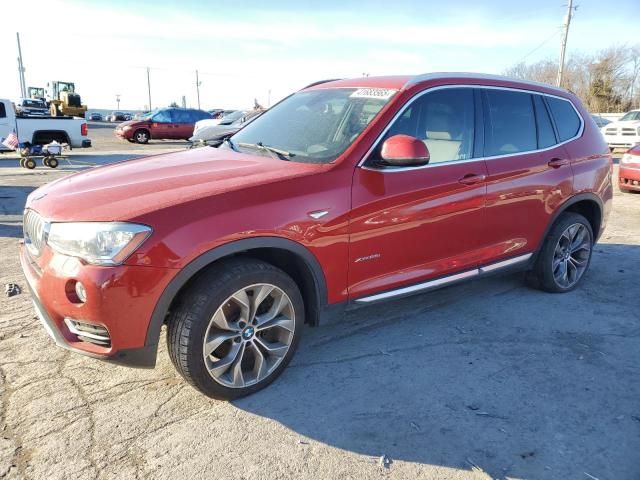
x: 558, y: 162
x: 472, y: 179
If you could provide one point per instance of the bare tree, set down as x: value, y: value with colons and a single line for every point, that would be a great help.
x: 608, y: 81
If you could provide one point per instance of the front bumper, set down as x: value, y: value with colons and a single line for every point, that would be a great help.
x: 121, y: 133
x: 622, y: 141
x: 120, y: 299
x: 629, y: 178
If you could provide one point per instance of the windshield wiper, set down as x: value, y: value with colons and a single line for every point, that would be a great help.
x: 281, y: 154
x: 228, y: 141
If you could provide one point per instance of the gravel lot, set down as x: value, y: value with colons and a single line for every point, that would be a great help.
x: 485, y: 380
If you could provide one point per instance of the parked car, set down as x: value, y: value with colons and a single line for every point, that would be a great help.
x: 625, y: 133
x: 116, y: 117
x: 32, y: 107
x: 95, y: 116
x: 166, y: 123
x: 213, y: 133
x: 127, y: 117
x: 42, y: 130
x: 629, y: 171
x: 600, y: 121
x: 346, y: 193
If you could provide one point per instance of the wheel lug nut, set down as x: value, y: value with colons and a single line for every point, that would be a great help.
x: 237, y: 340
x: 242, y: 324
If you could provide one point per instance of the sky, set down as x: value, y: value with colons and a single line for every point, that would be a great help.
x: 268, y: 49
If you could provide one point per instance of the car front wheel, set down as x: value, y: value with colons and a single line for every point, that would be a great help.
x: 141, y: 136
x: 565, y: 255
x: 236, y: 328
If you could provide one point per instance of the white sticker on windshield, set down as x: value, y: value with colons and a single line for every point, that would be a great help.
x: 381, y: 93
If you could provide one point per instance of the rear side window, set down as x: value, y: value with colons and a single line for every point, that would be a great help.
x: 199, y: 115
x: 182, y: 116
x: 546, y: 135
x: 3, y: 111
x: 511, y: 126
x: 565, y: 116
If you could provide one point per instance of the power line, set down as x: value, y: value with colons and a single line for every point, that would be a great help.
x: 542, y: 44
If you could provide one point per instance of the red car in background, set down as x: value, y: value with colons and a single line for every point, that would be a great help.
x: 629, y: 172
x: 165, y: 124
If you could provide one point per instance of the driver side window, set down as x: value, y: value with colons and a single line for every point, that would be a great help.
x: 443, y: 120
x: 162, y: 117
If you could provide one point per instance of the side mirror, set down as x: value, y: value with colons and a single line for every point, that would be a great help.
x: 404, y: 150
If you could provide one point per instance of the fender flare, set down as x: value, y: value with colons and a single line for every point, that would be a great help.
x: 238, y: 246
x: 563, y: 208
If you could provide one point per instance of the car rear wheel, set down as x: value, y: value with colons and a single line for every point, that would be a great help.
x: 141, y: 136
x: 236, y: 328
x: 565, y: 255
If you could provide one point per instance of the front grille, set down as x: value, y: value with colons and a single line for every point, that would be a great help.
x: 611, y: 131
x: 34, y: 229
x: 86, y: 332
x: 74, y: 100
x: 629, y: 131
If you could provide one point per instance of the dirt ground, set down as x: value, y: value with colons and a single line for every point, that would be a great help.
x: 485, y: 380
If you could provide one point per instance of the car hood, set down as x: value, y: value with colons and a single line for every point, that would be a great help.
x: 131, y: 123
x: 626, y: 123
x: 127, y: 190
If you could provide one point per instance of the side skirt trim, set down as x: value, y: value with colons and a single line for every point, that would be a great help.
x: 443, y: 281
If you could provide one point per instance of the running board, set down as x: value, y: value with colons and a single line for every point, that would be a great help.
x: 443, y: 281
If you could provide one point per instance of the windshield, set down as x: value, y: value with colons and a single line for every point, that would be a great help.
x: 33, y: 103
x: 630, y: 116
x: 315, y: 126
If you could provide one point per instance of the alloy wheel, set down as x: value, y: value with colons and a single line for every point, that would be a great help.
x: 571, y: 255
x: 249, y: 335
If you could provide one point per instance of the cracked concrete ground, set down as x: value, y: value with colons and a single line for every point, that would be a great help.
x: 485, y: 380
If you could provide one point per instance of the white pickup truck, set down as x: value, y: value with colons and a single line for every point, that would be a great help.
x: 625, y: 133
x: 42, y: 130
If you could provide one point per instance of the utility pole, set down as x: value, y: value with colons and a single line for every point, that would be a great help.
x: 118, y: 101
x: 149, y: 88
x: 563, y: 49
x: 198, y: 88
x: 23, y: 84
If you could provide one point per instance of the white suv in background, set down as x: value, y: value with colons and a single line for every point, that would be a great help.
x: 625, y: 133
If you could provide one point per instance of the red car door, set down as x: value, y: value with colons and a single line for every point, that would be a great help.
x: 161, y: 124
x: 529, y: 172
x: 182, y: 125
x: 413, y: 224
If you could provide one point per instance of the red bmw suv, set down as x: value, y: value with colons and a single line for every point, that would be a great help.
x: 346, y: 193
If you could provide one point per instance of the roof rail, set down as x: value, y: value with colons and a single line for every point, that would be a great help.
x: 483, y: 76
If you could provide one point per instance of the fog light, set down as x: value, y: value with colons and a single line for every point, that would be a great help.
x: 81, y: 292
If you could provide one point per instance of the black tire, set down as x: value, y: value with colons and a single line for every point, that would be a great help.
x: 541, y: 276
x: 141, y: 136
x: 190, y: 319
x: 22, y: 160
x: 52, y: 163
x: 45, y: 162
x: 30, y: 163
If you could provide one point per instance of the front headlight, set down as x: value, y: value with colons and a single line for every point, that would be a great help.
x: 98, y: 243
x: 126, y: 128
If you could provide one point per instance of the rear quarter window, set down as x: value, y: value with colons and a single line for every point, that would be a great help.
x: 3, y: 111
x: 565, y: 116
